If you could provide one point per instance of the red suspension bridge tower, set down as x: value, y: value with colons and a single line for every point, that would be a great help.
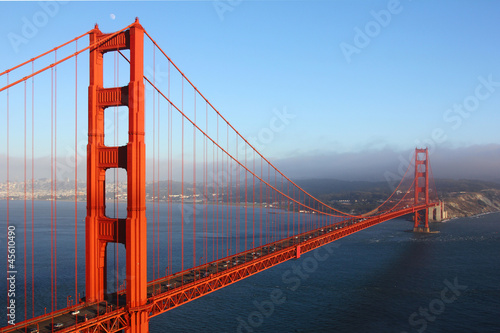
x: 101, y: 229
x: 421, y: 219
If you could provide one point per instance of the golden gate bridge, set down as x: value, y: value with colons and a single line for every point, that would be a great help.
x: 218, y: 210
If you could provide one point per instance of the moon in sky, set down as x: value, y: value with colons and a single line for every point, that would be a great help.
x: 112, y: 16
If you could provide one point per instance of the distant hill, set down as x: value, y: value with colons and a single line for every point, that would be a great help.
x: 462, y: 197
x: 464, y: 185
x: 348, y: 196
x: 319, y: 187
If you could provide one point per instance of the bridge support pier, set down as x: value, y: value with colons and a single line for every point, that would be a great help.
x: 421, y: 221
x: 437, y: 213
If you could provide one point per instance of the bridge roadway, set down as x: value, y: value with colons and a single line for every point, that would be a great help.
x: 174, y: 290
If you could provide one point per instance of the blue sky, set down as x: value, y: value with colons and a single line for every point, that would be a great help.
x: 415, y: 65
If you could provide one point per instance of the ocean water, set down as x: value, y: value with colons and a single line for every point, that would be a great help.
x: 383, y: 279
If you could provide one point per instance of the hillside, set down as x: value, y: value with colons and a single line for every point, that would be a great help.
x: 461, y: 204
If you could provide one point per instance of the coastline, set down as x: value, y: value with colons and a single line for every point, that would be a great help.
x: 469, y: 204
x: 469, y: 216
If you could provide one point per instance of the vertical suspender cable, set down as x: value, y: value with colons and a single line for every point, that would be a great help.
x: 33, y: 190
x: 171, y: 169
x: 182, y: 182
x: 261, y: 201
x: 281, y: 216
x: 253, y: 202
x: 158, y: 191
x: 268, y: 190
x: 214, y: 211
x: 217, y: 191
x: 277, y: 200
x: 55, y: 181
x: 237, y: 200
x: 205, y: 188
x: 307, y: 218
x: 24, y: 227
x: 288, y: 209
x: 154, y: 165
x: 222, y: 205
x: 273, y: 216
x: 222, y: 213
x: 293, y: 211
x: 236, y: 197
x: 8, y: 182
x: 204, y: 195
x: 298, y: 209
x: 246, y: 197
x: 76, y: 174
x: 194, y: 184
x: 229, y: 184
x: 223, y: 189
x: 169, y: 180
x: 52, y: 189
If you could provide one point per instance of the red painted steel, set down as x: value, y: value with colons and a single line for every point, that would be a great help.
x: 421, y: 218
x: 100, y: 229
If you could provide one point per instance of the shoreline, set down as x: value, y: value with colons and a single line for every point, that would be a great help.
x: 469, y: 216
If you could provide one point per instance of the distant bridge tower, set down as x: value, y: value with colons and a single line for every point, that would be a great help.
x: 99, y: 228
x: 421, y: 219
